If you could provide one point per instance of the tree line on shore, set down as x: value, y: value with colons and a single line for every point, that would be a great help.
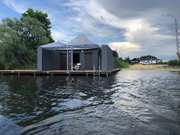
x: 126, y: 62
x: 19, y: 39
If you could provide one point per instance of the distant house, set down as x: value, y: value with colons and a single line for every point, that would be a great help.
x: 149, y: 60
x: 79, y: 54
x: 135, y: 61
x: 145, y: 60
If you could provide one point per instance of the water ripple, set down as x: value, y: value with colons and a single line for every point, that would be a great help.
x: 131, y: 102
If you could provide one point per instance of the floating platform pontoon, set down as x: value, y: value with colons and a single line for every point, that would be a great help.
x: 59, y: 72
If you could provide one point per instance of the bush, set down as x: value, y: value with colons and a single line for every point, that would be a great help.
x: 119, y: 63
x: 174, y: 63
x: 1, y: 66
x: 163, y: 63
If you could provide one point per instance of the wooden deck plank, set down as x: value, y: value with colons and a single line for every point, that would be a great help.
x: 59, y: 72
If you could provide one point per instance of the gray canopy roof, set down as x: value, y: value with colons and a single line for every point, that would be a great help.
x: 81, y: 42
x: 61, y: 46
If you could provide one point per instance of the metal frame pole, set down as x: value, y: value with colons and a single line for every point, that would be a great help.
x: 67, y: 55
x: 71, y: 58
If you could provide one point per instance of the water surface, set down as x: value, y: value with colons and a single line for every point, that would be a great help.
x: 128, y: 103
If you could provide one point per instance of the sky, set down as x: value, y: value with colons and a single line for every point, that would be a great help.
x: 131, y: 27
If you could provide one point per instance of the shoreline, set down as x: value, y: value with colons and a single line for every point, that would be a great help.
x: 162, y: 67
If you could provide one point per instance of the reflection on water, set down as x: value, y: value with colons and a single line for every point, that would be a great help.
x: 131, y: 102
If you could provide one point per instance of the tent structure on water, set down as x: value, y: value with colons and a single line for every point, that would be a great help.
x: 79, y: 54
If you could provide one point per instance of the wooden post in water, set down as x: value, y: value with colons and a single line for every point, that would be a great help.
x: 18, y: 74
x: 34, y: 74
x: 107, y: 75
x: 94, y: 72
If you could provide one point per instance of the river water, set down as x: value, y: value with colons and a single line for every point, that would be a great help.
x: 128, y: 103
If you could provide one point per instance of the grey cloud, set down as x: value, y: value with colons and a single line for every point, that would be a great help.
x: 72, y: 17
x: 134, y: 8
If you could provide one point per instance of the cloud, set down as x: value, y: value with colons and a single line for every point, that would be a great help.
x: 13, y: 5
x: 140, y: 20
x: 124, y: 46
x: 136, y: 27
x: 58, y: 35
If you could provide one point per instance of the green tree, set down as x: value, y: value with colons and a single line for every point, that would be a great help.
x: 41, y: 17
x: 115, y: 54
x: 32, y: 32
x: 19, y: 40
x: 118, y: 62
x: 13, y: 52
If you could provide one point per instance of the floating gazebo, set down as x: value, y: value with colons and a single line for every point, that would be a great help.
x: 79, y: 54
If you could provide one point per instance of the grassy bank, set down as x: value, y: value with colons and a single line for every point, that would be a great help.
x: 174, y: 63
x: 120, y: 63
x: 165, y: 67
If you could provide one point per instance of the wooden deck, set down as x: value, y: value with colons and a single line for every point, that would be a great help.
x: 59, y: 72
